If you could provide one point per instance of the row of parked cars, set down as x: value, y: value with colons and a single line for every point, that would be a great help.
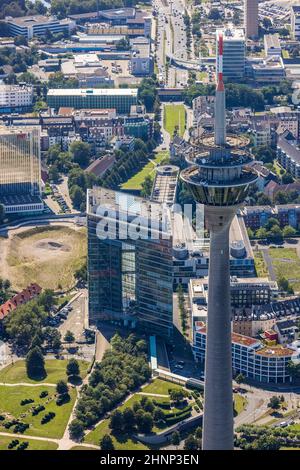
x: 60, y: 316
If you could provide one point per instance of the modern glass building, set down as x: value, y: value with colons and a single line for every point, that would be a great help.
x: 130, y: 268
x: 95, y: 98
x: 20, y: 169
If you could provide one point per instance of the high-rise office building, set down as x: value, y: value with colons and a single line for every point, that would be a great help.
x: 219, y: 178
x: 20, y: 169
x: 130, y: 265
x: 234, y: 53
x: 251, y: 18
x: 295, y: 21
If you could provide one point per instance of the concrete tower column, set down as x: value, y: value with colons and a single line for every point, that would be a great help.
x: 218, y: 416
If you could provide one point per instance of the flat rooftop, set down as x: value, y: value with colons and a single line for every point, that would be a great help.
x: 231, y: 34
x: 25, y: 21
x: 93, y: 91
x: 165, y: 184
x: 280, y: 351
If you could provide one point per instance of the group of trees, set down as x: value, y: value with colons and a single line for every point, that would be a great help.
x: 272, y: 231
x: 21, y: 8
x: 147, y: 94
x: 4, y: 290
x: 27, y: 327
x: 182, y: 308
x: 19, y: 60
x: 250, y: 437
x: 63, y: 8
x: 127, y: 163
x: 58, y: 80
x: 139, y: 418
x: 123, y: 369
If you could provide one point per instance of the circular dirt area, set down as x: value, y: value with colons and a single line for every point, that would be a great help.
x: 52, y: 245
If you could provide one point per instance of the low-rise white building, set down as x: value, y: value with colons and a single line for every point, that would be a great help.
x: 15, y: 98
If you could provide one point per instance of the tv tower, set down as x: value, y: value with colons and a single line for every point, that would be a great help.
x: 219, y: 177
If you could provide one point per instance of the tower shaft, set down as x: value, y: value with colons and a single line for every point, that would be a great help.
x: 218, y: 407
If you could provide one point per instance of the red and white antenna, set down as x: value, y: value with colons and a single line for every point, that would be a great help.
x: 220, y: 84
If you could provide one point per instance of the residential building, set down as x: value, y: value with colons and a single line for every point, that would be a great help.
x: 288, y: 153
x: 30, y: 293
x: 295, y: 21
x: 251, y: 357
x: 20, y: 169
x: 15, y: 98
x: 251, y: 18
x: 99, y: 98
x: 266, y: 70
x: 258, y: 216
x: 130, y: 277
x: 253, y: 319
x: 233, y: 52
x: 272, y: 45
x: 38, y: 25
x: 287, y: 330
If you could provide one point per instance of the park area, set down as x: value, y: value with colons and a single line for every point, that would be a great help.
x: 158, y: 393
x: 48, y: 256
x: 55, y: 371
x: 136, y: 181
x: 174, y: 119
x: 34, y: 408
x: 281, y: 263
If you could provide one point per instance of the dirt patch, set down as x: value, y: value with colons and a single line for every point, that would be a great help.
x: 46, y: 255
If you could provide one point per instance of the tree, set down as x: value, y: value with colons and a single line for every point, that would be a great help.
x: 240, y: 378
x: 190, y: 443
x: 214, y: 14
x: 266, y: 442
x: 116, y: 421
x: 62, y: 387
x: 35, y: 363
x: 144, y: 421
x: 106, y: 443
x: 73, y: 368
x: 176, y: 395
x: 261, y: 233
x: 274, y: 403
x: 78, y: 196
x: 288, y: 231
x: 69, y: 338
x: 175, y: 439
x: 81, y: 153
x: 129, y: 419
x: 158, y: 415
x: 284, y: 285
x: 46, y: 299
x: 76, y: 429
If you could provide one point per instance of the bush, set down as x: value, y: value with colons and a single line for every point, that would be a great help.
x: 44, y: 394
x: 13, y: 444
x: 48, y: 417
x: 176, y: 419
x: 26, y: 401
x: 23, y: 446
x: 37, y: 410
x: 162, y: 404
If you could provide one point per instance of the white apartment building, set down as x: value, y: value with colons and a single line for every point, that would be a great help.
x: 15, y: 98
x: 233, y: 52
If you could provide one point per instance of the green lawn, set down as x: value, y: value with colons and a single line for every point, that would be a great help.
x: 135, y: 182
x: 286, y: 264
x: 121, y: 442
x: 33, y: 444
x: 10, y: 406
x: 126, y: 442
x: 82, y: 448
x: 260, y: 265
x: 174, y: 116
x: 161, y: 387
x: 55, y: 368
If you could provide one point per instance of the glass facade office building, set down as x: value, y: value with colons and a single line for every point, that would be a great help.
x: 120, y: 99
x: 20, y: 165
x: 129, y: 280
